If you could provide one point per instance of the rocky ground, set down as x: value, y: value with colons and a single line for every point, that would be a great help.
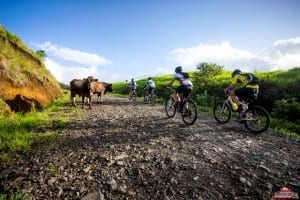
x: 130, y: 150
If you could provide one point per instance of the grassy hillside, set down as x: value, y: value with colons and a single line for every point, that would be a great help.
x: 23, y: 73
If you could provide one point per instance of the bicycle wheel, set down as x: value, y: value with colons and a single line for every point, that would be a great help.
x: 153, y: 100
x: 170, y: 107
x: 257, y: 119
x: 189, y: 112
x: 146, y: 97
x: 222, y: 112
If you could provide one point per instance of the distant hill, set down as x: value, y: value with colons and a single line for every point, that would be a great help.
x: 25, y: 83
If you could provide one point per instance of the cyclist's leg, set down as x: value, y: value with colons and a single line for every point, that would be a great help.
x: 150, y: 91
x: 243, y: 93
x: 233, y: 95
x: 180, y: 90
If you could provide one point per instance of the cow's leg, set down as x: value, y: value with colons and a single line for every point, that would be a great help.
x: 101, y: 95
x: 90, y: 101
x: 83, y: 97
x: 72, y: 99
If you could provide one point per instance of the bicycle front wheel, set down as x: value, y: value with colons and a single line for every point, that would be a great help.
x: 257, y: 119
x: 222, y: 112
x: 189, y: 113
x: 170, y: 107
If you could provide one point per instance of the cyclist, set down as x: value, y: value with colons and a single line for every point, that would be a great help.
x: 151, y: 85
x: 132, y: 85
x: 185, y: 86
x: 245, y: 87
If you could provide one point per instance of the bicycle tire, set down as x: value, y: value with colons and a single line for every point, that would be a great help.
x: 189, y: 112
x: 170, y: 107
x: 146, y: 97
x: 153, y: 100
x: 222, y: 112
x: 259, y: 121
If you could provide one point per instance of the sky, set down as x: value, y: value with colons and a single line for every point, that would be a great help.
x: 116, y: 40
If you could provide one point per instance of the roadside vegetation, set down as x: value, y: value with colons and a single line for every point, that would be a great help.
x: 19, y: 131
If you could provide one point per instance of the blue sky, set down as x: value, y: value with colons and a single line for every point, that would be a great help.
x: 116, y: 40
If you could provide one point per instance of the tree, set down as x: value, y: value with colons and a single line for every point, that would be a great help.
x: 206, y: 73
x: 41, y: 53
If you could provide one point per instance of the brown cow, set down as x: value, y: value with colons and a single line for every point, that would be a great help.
x: 82, y: 87
x: 101, y: 88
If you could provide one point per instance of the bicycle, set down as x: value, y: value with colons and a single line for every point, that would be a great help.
x: 132, y: 96
x: 187, y: 107
x: 149, y: 98
x: 255, y: 118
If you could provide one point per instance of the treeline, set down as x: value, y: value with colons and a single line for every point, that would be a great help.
x: 279, y: 92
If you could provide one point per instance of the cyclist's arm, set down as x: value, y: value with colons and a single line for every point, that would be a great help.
x: 170, y: 83
x: 230, y: 87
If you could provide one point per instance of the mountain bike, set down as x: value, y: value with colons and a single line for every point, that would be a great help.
x: 151, y: 99
x: 187, y: 107
x: 132, y: 96
x: 255, y: 118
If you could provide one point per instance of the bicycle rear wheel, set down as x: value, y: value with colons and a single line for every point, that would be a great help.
x: 222, y: 112
x: 146, y: 97
x: 257, y: 119
x: 153, y: 100
x: 189, y: 113
x: 170, y: 107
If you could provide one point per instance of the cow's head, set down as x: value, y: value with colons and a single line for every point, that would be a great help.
x: 89, y: 80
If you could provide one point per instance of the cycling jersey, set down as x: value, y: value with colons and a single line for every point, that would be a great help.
x: 132, y: 85
x: 182, y: 80
x: 242, y: 81
x: 151, y: 83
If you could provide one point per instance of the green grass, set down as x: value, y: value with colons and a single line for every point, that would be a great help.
x: 15, y: 131
x: 15, y: 196
x: 18, y: 132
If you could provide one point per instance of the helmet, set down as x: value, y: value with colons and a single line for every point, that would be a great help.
x: 235, y: 72
x: 178, y: 69
x: 149, y: 78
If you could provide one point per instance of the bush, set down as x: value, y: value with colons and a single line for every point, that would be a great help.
x: 288, y: 109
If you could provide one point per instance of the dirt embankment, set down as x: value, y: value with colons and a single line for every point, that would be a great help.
x: 127, y: 150
x: 26, y: 84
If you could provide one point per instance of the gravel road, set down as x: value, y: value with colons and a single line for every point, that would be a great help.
x: 130, y: 150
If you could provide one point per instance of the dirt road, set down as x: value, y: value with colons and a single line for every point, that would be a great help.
x: 130, y: 150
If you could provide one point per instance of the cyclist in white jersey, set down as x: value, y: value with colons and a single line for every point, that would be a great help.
x: 186, y: 85
x: 151, y: 85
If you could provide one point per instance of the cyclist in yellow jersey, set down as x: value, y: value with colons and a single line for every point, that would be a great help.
x: 245, y: 88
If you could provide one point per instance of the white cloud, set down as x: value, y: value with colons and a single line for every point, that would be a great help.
x: 74, y: 55
x: 284, y: 54
x: 65, y: 74
x: 80, y: 64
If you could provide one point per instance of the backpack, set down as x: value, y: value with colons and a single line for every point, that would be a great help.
x: 185, y: 75
x: 253, y: 80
